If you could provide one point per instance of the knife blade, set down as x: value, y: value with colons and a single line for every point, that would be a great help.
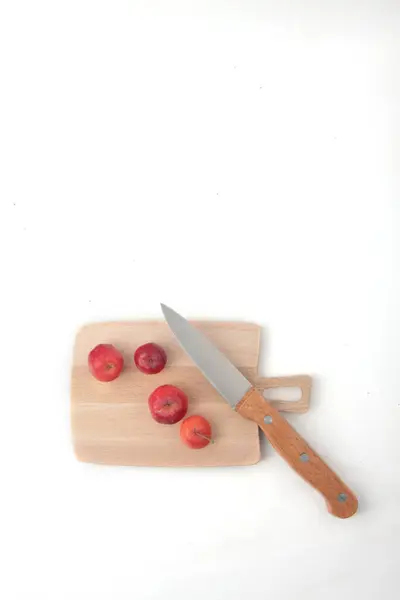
x: 250, y: 404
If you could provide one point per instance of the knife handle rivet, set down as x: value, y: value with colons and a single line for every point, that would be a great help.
x: 342, y: 497
x: 268, y: 419
x: 304, y: 457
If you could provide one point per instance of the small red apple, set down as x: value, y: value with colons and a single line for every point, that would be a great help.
x: 196, y: 432
x: 105, y: 362
x: 168, y: 404
x: 150, y: 358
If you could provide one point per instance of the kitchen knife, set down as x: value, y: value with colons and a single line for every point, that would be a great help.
x: 249, y: 403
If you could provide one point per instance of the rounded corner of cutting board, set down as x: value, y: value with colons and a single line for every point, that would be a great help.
x: 257, y: 455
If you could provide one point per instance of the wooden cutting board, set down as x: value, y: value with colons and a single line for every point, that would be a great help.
x: 111, y: 423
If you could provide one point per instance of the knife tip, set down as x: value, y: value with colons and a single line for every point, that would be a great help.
x: 167, y: 311
x: 164, y: 307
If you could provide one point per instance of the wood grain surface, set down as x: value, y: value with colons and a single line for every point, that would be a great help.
x: 111, y: 423
x: 306, y: 462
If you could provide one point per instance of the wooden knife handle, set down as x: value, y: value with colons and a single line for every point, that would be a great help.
x: 340, y: 499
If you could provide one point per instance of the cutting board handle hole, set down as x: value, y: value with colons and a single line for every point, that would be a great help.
x: 285, y: 394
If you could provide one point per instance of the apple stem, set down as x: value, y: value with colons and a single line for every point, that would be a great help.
x: 206, y: 437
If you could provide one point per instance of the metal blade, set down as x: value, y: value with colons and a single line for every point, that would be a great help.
x: 220, y: 372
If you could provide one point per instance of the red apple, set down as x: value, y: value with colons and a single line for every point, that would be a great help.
x: 105, y: 362
x: 150, y: 358
x: 168, y: 404
x: 196, y: 432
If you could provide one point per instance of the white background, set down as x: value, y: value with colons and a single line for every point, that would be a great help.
x: 236, y: 160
